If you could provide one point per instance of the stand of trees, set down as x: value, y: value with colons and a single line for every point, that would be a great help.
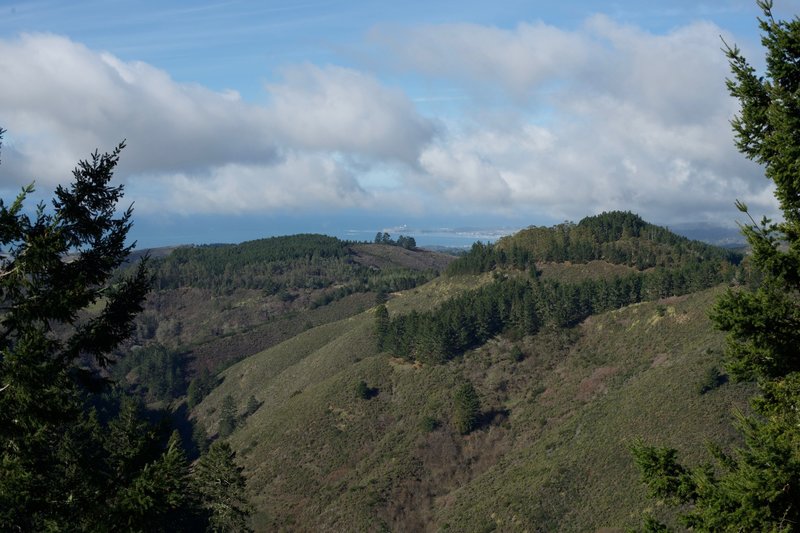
x: 282, y: 266
x: 409, y: 243
x: 524, y: 305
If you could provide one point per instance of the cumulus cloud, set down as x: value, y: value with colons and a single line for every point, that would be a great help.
x: 602, y: 116
x: 59, y: 100
x: 622, y: 119
x: 297, y: 181
x: 521, y: 60
x: 339, y: 108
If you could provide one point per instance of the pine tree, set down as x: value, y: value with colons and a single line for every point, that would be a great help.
x: 157, y: 498
x: 56, y: 262
x: 466, y: 408
x: 382, y: 326
x: 219, y: 484
x: 757, y: 486
x: 227, y: 422
x: 60, y: 468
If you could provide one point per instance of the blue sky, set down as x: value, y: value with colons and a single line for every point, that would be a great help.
x: 246, y: 119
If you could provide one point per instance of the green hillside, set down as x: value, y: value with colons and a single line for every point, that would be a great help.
x: 336, y: 435
x: 551, y: 451
x: 361, y: 390
x: 216, y: 304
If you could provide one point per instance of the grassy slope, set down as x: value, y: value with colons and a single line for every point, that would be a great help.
x: 552, y: 453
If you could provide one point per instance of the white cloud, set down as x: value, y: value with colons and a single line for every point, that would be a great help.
x: 59, y: 100
x: 341, y: 109
x: 297, y: 181
x: 604, y: 116
x: 66, y: 100
x: 522, y: 59
x: 632, y: 120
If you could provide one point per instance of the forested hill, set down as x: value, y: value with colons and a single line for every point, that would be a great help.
x: 616, y: 237
x: 289, y: 262
x: 647, y: 263
x: 215, y: 304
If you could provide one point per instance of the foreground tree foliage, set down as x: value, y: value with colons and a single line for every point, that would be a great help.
x: 220, y: 485
x: 757, y: 486
x: 62, y: 311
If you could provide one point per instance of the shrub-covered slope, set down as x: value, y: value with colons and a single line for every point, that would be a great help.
x: 557, y: 412
x: 214, y: 305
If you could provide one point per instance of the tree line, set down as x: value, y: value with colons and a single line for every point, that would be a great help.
x: 522, y: 305
x: 282, y: 266
x: 403, y: 241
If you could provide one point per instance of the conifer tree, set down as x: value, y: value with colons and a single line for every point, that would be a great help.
x: 227, y: 422
x: 55, y: 263
x: 466, y: 408
x: 63, y: 309
x: 757, y: 486
x: 219, y: 484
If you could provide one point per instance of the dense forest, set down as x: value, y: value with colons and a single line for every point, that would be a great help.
x: 215, y: 304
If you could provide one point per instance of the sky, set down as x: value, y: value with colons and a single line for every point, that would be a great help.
x: 448, y: 120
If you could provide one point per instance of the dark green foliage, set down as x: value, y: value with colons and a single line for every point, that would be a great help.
x: 51, y: 350
x: 466, y: 408
x: 199, y: 387
x: 409, y: 243
x: 252, y: 406
x: 712, y: 379
x: 280, y: 266
x: 516, y: 354
x: 362, y: 390
x: 199, y: 437
x: 253, y: 264
x: 665, y: 478
x: 220, y: 485
x: 227, y: 421
x: 381, y: 297
x: 481, y: 258
x: 64, y: 466
x: 617, y: 237
x: 429, y: 424
x: 757, y: 486
x: 159, y: 372
x: 157, y: 499
x: 523, y: 305
x: 381, y: 325
x: 652, y: 525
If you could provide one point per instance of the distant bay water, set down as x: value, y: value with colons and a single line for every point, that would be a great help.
x: 444, y: 237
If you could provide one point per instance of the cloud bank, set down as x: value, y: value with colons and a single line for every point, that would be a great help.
x: 560, y: 123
